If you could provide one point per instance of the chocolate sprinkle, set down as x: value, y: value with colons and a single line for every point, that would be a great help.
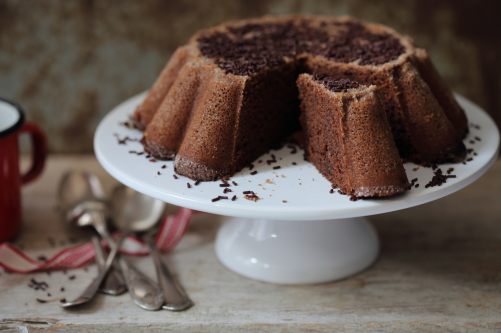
x: 336, y: 85
x: 38, y: 285
x: 252, y: 197
x: 175, y: 176
x: 197, y: 183
x: 124, y: 140
x: 188, y: 185
x: 253, y: 172
x: 252, y: 48
x: 234, y: 183
x: 220, y: 197
x: 226, y: 190
x: 438, y: 179
x: 276, y: 167
x: 233, y: 198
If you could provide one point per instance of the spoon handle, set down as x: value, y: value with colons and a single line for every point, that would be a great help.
x: 113, y: 283
x: 175, y: 297
x: 143, y: 291
x: 89, y: 292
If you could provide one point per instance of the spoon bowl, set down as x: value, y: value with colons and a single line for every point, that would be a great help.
x: 133, y: 211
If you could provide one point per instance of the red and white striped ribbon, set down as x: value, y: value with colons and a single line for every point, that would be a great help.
x: 170, y: 233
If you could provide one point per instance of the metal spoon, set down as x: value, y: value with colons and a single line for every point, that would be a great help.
x: 95, y: 212
x: 135, y: 212
x: 79, y: 192
x: 89, y: 292
x: 142, y: 290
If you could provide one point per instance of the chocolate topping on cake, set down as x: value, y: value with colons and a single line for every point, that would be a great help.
x: 337, y: 85
x: 250, y: 48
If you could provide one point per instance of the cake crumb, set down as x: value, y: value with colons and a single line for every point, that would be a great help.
x: 252, y: 197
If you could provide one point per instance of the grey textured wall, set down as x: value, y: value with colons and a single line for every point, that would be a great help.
x: 69, y: 62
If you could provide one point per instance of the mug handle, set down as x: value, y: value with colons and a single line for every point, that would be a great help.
x: 38, y: 151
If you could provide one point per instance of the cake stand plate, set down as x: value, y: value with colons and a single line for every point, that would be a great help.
x: 297, y: 231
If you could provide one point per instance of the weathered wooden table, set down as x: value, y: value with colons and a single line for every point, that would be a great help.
x: 439, y: 269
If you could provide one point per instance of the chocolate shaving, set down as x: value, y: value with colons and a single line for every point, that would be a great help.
x: 124, y: 140
x: 438, y: 179
x: 252, y: 197
x: 220, y: 197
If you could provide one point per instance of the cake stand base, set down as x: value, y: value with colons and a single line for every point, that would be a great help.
x: 297, y: 252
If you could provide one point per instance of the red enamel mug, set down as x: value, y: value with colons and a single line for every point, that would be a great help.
x: 12, y: 124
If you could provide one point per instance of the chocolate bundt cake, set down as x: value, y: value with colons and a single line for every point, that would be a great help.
x: 230, y: 94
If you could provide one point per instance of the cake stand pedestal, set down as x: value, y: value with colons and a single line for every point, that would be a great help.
x: 297, y: 231
x: 297, y: 252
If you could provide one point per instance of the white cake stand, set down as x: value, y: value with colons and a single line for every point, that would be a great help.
x: 297, y: 232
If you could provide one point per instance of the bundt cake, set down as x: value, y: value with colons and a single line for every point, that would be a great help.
x: 230, y: 94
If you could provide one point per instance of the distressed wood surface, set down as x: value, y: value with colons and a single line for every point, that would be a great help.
x: 439, y: 270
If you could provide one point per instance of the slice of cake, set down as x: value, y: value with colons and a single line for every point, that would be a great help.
x: 348, y: 138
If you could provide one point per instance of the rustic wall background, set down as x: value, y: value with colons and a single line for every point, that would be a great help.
x: 69, y: 62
